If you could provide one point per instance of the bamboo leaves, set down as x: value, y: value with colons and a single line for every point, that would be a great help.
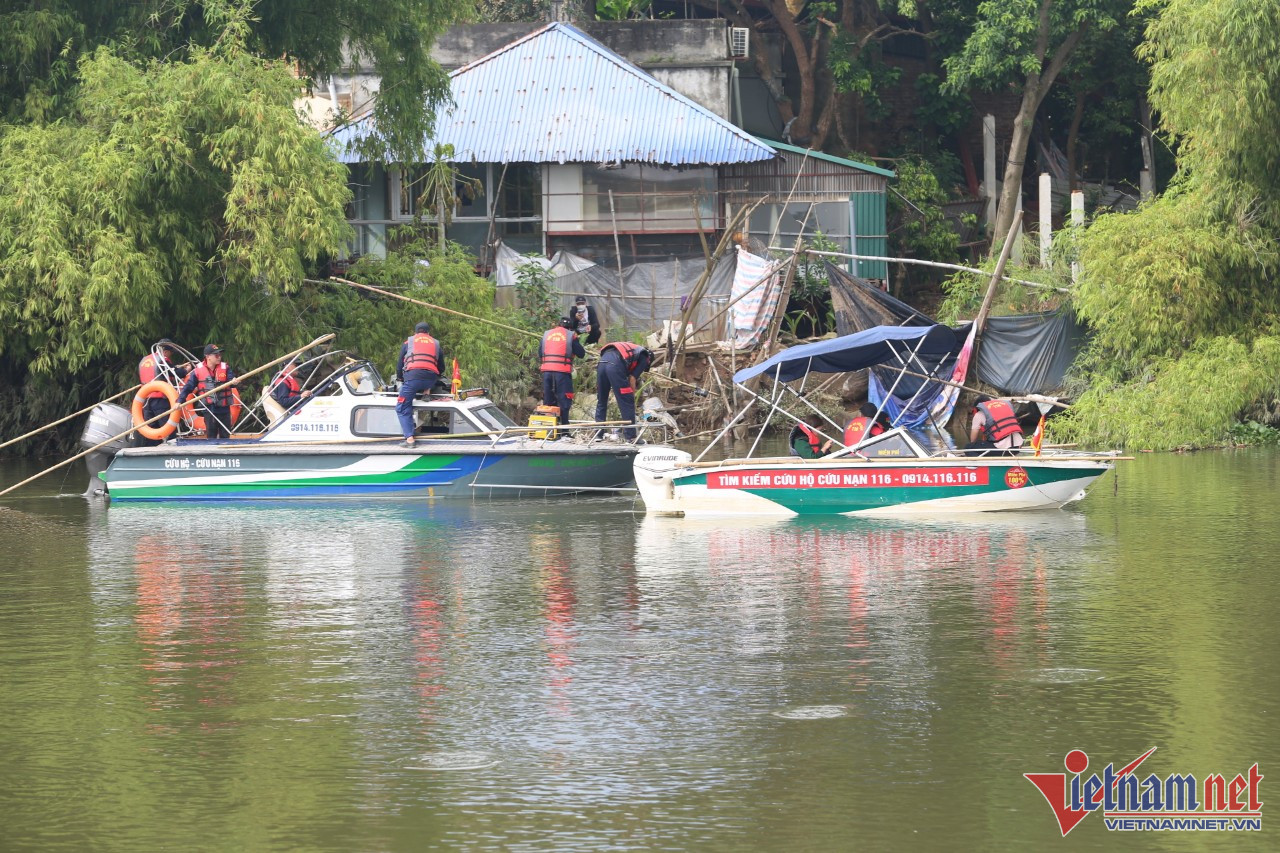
x: 174, y: 184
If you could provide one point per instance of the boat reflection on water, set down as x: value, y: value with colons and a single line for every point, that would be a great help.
x: 896, y: 589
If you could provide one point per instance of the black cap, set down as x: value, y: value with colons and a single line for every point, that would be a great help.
x: 867, y: 410
x: 423, y: 328
x: 567, y: 323
x: 580, y: 300
x: 212, y: 349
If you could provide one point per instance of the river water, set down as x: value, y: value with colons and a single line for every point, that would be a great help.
x: 572, y: 675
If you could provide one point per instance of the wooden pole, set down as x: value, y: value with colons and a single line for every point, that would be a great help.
x: 68, y: 417
x: 934, y: 264
x: 617, y: 252
x: 320, y: 340
x: 981, y: 319
x: 382, y: 292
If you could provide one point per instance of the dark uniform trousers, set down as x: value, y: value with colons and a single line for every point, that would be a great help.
x: 415, y: 382
x: 612, y: 374
x: 557, y: 390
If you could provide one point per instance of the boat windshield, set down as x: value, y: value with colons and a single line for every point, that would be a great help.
x: 492, y: 417
x: 363, y: 379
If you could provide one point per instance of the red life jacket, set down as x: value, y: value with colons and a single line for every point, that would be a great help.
x: 147, y: 372
x: 557, y: 351
x: 857, y: 430
x: 1000, y: 420
x: 290, y: 383
x: 207, y: 380
x: 423, y: 353
x: 627, y: 350
x: 815, y: 443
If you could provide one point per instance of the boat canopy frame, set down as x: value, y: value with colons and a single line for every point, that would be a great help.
x: 907, y: 345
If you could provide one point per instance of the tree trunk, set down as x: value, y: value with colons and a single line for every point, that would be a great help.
x: 1073, y: 141
x: 1033, y: 91
x: 1013, y: 165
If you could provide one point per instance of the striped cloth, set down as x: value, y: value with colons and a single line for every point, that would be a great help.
x: 756, y: 277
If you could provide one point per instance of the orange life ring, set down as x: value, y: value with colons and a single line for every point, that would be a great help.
x: 162, y: 432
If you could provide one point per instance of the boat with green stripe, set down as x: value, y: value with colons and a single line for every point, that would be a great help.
x: 887, y: 474
x: 343, y: 442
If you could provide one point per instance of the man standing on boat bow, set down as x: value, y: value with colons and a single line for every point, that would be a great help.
x: 417, y: 370
x: 559, y: 347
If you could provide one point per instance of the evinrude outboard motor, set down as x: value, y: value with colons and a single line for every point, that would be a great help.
x: 106, y: 420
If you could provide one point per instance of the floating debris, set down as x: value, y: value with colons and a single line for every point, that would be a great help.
x: 1064, y: 675
x: 455, y: 761
x: 813, y: 712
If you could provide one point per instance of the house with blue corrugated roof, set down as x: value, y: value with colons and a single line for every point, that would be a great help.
x: 573, y: 147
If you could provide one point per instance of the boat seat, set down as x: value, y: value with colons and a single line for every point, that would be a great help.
x: 273, y: 409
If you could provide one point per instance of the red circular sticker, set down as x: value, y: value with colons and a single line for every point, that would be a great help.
x: 1015, y: 477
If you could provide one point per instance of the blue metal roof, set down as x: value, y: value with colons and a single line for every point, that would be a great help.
x: 559, y: 96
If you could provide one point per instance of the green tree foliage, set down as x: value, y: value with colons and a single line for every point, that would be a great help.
x: 1187, y: 283
x: 918, y: 227
x: 178, y: 195
x: 1026, y: 43
x: 45, y: 41
x: 443, y: 277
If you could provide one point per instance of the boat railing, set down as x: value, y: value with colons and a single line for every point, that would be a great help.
x: 602, y: 431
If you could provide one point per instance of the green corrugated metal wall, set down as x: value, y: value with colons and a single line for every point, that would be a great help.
x: 871, y: 233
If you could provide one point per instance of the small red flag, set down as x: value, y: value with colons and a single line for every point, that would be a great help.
x: 457, y: 380
x: 1038, y: 437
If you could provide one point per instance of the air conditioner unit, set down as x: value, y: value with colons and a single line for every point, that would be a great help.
x: 739, y: 42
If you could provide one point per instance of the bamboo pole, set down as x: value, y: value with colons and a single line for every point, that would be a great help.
x: 382, y: 292
x: 936, y: 264
x: 320, y: 340
x: 68, y: 417
x: 1030, y: 399
x: 989, y: 297
x: 617, y: 253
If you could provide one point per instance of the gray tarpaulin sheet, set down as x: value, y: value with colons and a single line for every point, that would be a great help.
x: 647, y: 294
x: 1022, y: 354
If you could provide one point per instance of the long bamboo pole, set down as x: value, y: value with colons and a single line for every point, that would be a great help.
x: 935, y: 264
x: 403, y: 298
x: 320, y: 340
x: 68, y: 417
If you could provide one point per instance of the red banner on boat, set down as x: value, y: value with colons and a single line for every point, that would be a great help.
x: 846, y: 479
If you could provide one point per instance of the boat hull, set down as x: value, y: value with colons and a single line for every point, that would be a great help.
x: 865, y: 487
x: 202, y: 471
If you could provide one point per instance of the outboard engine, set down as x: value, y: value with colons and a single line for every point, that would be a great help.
x: 106, y: 420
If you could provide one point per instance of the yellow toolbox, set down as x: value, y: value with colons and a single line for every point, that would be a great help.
x: 546, y: 418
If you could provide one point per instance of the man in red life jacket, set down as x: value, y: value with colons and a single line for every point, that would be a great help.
x: 863, y: 426
x: 994, y: 426
x: 158, y: 364
x: 216, y: 409
x: 556, y: 353
x: 804, y: 440
x: 286, y: 389
x: 621, y: 364
x: 418, y: 370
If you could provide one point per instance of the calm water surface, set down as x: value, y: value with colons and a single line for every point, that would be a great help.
x: 574, y: 676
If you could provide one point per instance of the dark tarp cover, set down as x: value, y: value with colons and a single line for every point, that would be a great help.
x: 869, y: 347
x: 1023, y: 354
